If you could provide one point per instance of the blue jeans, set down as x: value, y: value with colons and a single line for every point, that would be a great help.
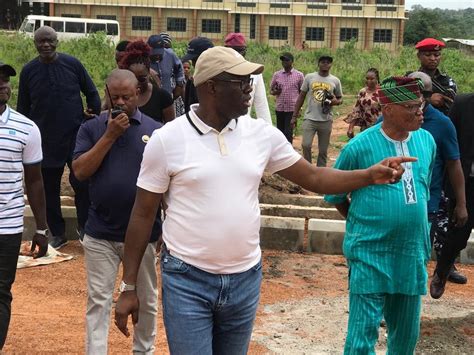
x: 208, y: 313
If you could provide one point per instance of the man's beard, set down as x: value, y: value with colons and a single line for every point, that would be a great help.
x: 3, y: 102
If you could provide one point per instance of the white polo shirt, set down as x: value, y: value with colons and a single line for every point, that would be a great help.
x: 210, y: 182
x: 20, y: 144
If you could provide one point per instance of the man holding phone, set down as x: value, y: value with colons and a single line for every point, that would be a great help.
x: 108, y: 153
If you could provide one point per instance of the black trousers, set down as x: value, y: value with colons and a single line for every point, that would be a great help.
x: 283, y: 124
x: 457, y: 237
x: 9, y: 249
x: 52, y: 188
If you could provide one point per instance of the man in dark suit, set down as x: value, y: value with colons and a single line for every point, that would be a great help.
x: 461, y: 115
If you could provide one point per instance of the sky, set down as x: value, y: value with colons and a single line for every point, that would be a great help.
x: 443, y: 4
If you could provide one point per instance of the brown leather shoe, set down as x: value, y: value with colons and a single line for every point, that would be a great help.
x: 437, y: 286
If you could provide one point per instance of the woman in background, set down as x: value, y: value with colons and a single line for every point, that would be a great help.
x: 367, y: 108
x: 153, y: 101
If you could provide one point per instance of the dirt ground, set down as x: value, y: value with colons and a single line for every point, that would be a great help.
x: 303, y: 310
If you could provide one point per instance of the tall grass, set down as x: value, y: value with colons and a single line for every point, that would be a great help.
x: 350, y: 64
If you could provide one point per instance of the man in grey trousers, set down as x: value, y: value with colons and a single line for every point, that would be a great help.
x: 323, y: 91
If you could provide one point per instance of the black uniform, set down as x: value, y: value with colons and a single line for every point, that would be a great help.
x: 445, y: 85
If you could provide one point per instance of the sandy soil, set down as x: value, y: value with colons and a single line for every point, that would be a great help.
x: 303, y: 309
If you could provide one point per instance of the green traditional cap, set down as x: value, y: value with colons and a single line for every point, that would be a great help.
x: 395, y: 89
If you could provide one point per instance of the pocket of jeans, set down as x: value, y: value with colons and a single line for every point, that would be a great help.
x: 170, y: 264
x: 258, y: 266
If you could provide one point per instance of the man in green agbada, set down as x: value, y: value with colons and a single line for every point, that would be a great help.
x: 387, y: 243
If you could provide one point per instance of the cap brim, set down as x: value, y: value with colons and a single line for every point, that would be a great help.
x: 245, y: 68
x: 8, y: 70
x: 284, y: 57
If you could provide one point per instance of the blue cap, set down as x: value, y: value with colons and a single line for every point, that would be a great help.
x: 196, y: 46
x: 157, y: 44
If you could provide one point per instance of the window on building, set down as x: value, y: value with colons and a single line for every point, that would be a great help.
x: 75, y: 27
x: 253, y: 26
x: 237, y: 23
x: 95, y: 27
x: 107, y: 17
x: 314, y: 34
x: 141, y: 23
x: 211, y: 26
x: 385, y: 2
x: 176, y: 24
x: 382, y: 36
x: 278, y: 32
x: 347, y: 34
x: 71, y: 15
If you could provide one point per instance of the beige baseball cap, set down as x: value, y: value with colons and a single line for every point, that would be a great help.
x: 217, y: 60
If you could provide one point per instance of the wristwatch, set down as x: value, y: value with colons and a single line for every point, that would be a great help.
x: 124, y: 287
x: 43, y: 232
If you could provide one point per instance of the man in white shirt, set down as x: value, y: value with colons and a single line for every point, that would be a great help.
x: 207, y: 167
x: 258, y: 100
x: 20, y: 153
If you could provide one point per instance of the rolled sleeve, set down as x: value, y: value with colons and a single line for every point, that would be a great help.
x: 282, y: 153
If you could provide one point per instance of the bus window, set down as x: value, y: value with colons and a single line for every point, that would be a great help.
x: 75, y: 27
x: 37, y: 24
x: 95, y: 27
x: 58, y: 26
x: 112, y: 29
x: 29, y: 27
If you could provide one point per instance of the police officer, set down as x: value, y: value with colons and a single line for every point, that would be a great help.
x: 444, y: 87
x: 443, y: 94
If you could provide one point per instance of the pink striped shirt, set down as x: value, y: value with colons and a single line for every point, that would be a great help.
x: 290, y: 85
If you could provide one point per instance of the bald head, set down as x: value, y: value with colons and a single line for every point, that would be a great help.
x: 425, y: 79
x: 123, y: 90
x: 45, y: 30
x: 122, y: 75
x: 46, y: 41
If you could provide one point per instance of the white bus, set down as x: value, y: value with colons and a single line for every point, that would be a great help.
x: 70, y: 27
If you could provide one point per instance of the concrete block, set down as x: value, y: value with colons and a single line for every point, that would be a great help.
x: 282, y: 233
x: 299, y: 211
x: 294, y: 199
x: 467, y: 254
x: 325, y: 236
x: 69, y: 215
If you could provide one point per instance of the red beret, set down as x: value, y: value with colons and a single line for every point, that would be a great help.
x: 235, y: 40
x: 430, y: 44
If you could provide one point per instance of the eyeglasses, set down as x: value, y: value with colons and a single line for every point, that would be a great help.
x: 414, y: 108
x: 244, y: 84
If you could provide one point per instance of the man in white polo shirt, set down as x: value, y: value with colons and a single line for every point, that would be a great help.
x: 20, y: 152
x: 207, y: 167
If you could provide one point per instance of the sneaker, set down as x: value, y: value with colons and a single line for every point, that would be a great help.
x: 456, y: 277
x: 57, y: 242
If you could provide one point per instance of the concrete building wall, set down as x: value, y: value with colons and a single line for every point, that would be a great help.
x: 331, y: 15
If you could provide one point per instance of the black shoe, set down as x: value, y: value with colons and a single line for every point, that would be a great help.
x: 437, y: 286
x: 456, y: 277
x: 57, y: 242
